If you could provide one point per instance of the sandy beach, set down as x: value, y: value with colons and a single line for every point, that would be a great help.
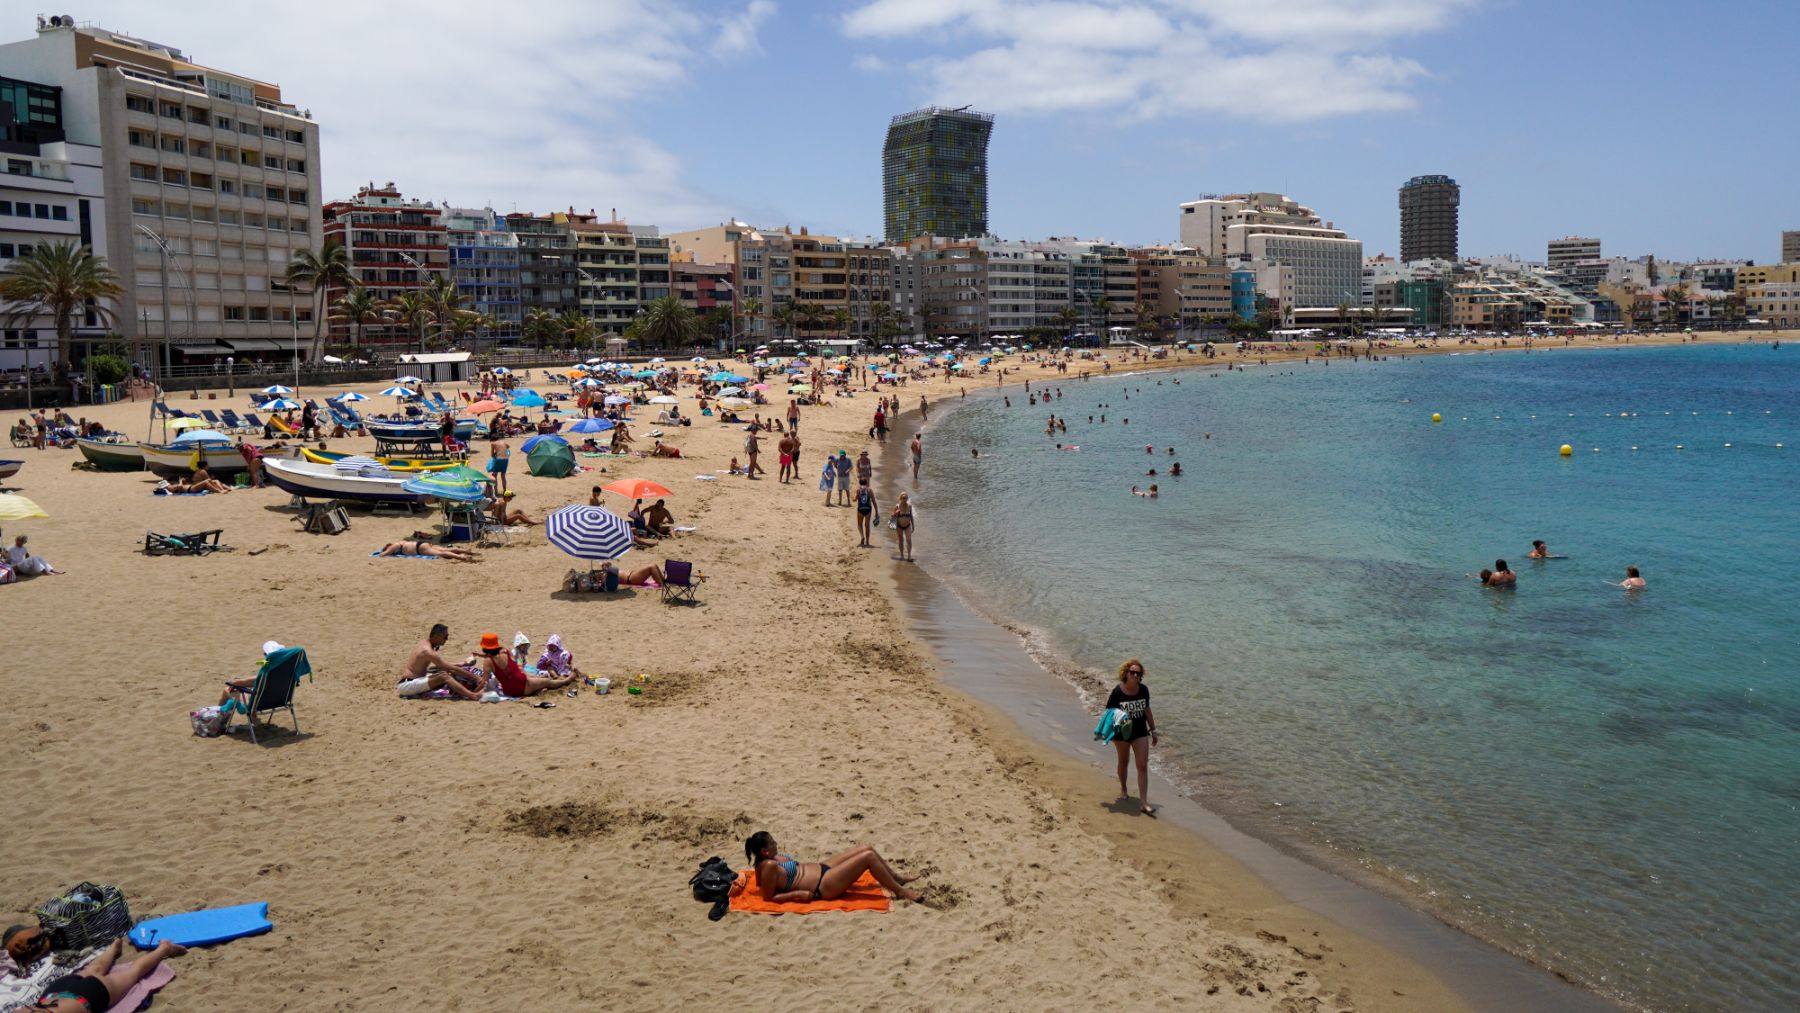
x: 439, y: 854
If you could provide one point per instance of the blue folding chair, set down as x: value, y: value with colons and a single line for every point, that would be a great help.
x: 273, y: 690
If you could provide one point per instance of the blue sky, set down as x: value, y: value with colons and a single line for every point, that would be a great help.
x: 1661, y: 127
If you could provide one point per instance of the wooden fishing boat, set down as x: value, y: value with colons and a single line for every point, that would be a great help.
x: 312, y: 480
x: 176, y: 460
x: 108, y: 456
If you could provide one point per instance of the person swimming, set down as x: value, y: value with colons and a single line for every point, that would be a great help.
x: 1175, y: 469
x: 1502, y: 575
x: 1633, y: 581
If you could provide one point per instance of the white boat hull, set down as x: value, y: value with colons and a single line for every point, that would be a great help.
x: 323, y: 481
x: 178, y: 459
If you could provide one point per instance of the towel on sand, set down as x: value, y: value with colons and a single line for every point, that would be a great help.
x: 864, y: 895
x: 19, y: 990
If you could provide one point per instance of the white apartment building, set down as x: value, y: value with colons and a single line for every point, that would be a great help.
x: 1248, y: 228
x: 212, y: 168
x: 1027, y: 284
x: 1776, y: 302
x: 1569, y: 250
x: 51, y: 194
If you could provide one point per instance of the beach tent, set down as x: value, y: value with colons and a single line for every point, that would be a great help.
x: 551, y: 457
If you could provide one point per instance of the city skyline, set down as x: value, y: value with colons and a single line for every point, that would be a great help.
x: 1109, y: 113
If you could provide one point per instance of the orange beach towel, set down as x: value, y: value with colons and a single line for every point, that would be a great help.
x: 864, y: 895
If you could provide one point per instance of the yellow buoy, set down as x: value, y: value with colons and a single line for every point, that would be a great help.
x: 1566, y: 450
x: 1435, y: 417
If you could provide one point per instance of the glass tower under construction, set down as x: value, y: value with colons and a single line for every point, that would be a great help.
x: 934, y: 174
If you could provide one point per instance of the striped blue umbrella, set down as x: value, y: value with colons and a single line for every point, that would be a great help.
x: 280, y: 404
x: 588, y: 532
x: 397, y: 392
x: 276, y: 388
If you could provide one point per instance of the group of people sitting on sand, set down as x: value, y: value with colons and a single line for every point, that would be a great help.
x: 492, y: 669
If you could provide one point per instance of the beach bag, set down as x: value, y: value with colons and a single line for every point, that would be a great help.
x: 1114, y: 726
x: 712, y: 885
x: 89, y: 915
x: 6, y: 575
x: 209, y: 721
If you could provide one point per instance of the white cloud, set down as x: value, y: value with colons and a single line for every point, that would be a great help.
x: 737, y: 33
x: 1279, y: 59
x: 527, y: 106
x: 869, y: 63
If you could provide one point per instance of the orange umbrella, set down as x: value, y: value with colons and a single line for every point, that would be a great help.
x: 483, y: 407
x: 637, y: 488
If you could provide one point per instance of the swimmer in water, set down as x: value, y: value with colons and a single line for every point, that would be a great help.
x: 1502, y: 575
x: 1152, y: 493
x: 1538, y: 551
x: 1151, y: 473
x: 1632, y: 581
x: 974, y: 453
x: 1175, y: 469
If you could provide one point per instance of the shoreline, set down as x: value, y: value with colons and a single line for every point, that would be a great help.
x: 1028, y: 684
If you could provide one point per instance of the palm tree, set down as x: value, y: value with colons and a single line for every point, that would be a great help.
x: 325, y: 270
x: 540, y: 326
x: 1066, y: 318
x: 358, y: 307
x: 840, y: 321
x: 415, y: 311
x: 578, y: 328
x: 716, y: 322
x: 667, y: 323
x: 445, y: 300
x: 462, y: 324
x: 58, y: 281
x: 784, y: 318
x: 749, y: 309
x: 809, y: 315
x: 1103, y: 307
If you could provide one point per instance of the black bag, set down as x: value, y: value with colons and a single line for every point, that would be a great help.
x: 88, y: 915
x: 712, y: 885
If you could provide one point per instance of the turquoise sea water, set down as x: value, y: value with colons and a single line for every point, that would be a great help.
x: 1606, y: 782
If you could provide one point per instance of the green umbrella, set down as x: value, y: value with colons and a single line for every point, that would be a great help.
x: 551, y: 457
x: 465, y: 472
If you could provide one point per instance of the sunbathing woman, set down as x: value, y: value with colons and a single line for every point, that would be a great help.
x: 781, y: 879
x: 105, y: 981
x: 417, y: 548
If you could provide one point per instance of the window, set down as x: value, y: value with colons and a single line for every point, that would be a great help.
x: 222, y: 122
x: 256, y: 283
x: 254, y: 191
x: 140, y: 138
x: 18, y: 167
x: 175, y: 211
x: 203, y: 215
x: 144, y: 172
x: 144, y: 207
x: 231, y: 251
x: 234, y: 313
x: 259, y: 313
x: 300, y: 225
x: 227, y: 217
x: 174, y: 144
x: 296, y: 196
x: 253, y: 221
x: 205, y: 247
x: 196, y: 114
x: 5, y: 207
x: 247, y: 128
x: 296, y: 165
x: 227, y: 186
x: 174, y: 177
x: 43, y: 210
x: 247, y: 157
x: 6, y: 252
x: 225, y: 153
x: 271, y: 131
x: 172, y: 110
x: 271, y: 161
x: 140, y: 104
x: 59, y: 213
x: 201, y: 149
x: 200, y: 181
x: 277, y: 224
x: 305, y: 315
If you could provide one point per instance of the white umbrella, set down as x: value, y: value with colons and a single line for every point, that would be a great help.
x: 408, y: 379
x: 617, y: 399
x: 665, y: 399
x: 698, y: 359
x: 659, y: 360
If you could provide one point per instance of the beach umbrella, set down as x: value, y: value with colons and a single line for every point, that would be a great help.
x: 736, y: 404
x: 588, y: 382
x: 733, y: 391
x: 551, y: 457
x: 539, y: 438
x: 956, y: 365
x: 800, y: 388
x: 529, y: 400
x: 484, y: 406
x: 595, y: 361
x: 617, y: 399
x: 280, y: 404
x: 409, y: 379
x: 659, y: 360
x: 665, y: 399
x: 352, y: 396
x: 442, y: 485
x: 637, y: 488
x: 188, y: 423
x: 723, y: 377
x: 589, y: 426
x: 202, y: 436
x: 698, y: 359
x: 397, y: 392
x: 14, y: 507
x: 277, y: 389
x: 463, y: 471
x: 588, y: 532
x: 500, y: 371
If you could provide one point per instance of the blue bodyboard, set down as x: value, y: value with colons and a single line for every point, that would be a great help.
x: 203, y: 928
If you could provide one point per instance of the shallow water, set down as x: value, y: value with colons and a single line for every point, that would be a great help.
x: 1606, y: 782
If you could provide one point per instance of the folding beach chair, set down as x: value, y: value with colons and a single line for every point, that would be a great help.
x: 681, y: 585
x: 232, y: 421
x: 273, y: 690
x: 199, y: 543
x: 251, y: 421
x: 211, y: 419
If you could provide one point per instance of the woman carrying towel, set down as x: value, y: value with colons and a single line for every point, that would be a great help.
x: 1133, y: 697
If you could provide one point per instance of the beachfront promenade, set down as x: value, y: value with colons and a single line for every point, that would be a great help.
x: 435, y: 853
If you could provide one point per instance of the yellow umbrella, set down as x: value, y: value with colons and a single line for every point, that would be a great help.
x: 188, y: 422
x: 14, y: 507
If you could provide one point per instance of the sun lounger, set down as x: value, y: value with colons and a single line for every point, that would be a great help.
x: 232, y: 421
x: 273, y: 690
x: 197, y: 544
x: 252, y: 422
x: 213, y: 420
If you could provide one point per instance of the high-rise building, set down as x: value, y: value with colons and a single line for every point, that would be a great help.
x: 1428, y: 209
x: 1790, y: 246
x: 1570, y: 250
x: 210, y: 169
x: 51, y: 194
x: 934, y: 179
x: 1269, y: 228
x: 484, y: 262
x: 396, y: 245
x: 547, y: 270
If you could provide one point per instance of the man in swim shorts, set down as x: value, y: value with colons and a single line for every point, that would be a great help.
x: 427, y: 670
x: 499, y: 456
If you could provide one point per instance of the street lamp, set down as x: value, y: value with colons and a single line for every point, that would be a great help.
x: 162, y: 264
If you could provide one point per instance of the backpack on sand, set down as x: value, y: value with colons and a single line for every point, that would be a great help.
x: 712, y: 884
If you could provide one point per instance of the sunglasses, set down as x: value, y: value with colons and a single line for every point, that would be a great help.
x: 1134, y: 671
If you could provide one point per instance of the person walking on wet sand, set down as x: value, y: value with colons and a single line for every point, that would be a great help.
x: 918, y: 454
x: 868, y: 513
x: 1133, y: 697
x: 903, y: 526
